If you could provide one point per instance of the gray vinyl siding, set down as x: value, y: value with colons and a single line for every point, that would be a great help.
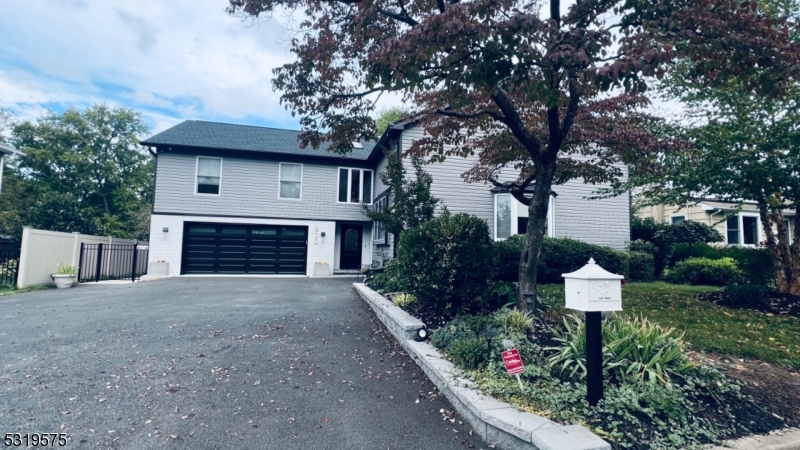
x: 249, y: 188
x: 600, y: 222
x: 380, y: 188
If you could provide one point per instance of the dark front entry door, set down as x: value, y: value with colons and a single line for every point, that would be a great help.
x: 350, y: 256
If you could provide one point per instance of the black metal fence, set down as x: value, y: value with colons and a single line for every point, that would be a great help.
x: 9, y: 263
x: 112, y: 262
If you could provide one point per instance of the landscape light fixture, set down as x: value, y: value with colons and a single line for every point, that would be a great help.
x: 165, y: 230
x: 422, y: 334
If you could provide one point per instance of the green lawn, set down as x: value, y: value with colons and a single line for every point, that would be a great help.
x: 709, y: 327
x: 7, y: 290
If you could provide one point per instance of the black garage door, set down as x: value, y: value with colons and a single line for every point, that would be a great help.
x: 239, y: 249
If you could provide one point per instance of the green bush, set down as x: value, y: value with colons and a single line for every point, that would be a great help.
x: 563, y: 255
x: 404, y: 300
x: 469, y: 353
x: 646, y: 229
x: 756, y: 263
x: 715, y: 272
x: 642, y: 266
x: 746, y: 294
x: 641, y: 246
x: 506, y: 257
x: 633, y: 348
x: 514, y: 320
x: 446, y: 263
x: 388, y: 281
x: 680, y: 252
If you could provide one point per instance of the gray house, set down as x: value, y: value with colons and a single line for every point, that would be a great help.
x: 233, y: 199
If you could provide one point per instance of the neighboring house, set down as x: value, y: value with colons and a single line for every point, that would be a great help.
x: 239, y: 199
x: 739, y: 225
x: 5, y: 150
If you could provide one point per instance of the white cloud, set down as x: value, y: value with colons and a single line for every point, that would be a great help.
x: 172, y: 60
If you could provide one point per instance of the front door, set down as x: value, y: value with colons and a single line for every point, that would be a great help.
x: 350, y: 255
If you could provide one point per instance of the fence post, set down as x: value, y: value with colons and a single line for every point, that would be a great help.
x: 133, y: 266
x: 99, y: 262
x: 23, y: 258
x: 80, y: 263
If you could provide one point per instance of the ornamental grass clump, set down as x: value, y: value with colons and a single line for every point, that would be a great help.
x: 633, y: 348
x: 514, y: 320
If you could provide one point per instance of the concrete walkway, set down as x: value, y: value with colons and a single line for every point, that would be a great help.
x: 214, y: 363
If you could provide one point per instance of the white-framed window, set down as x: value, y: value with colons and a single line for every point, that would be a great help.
x: 379, y: 235
x: 742, y: 229
x: 355, y: 185
x: 291, y: 181
x: 208, y: 176
x: 678, y: 219
x: 510, y: 217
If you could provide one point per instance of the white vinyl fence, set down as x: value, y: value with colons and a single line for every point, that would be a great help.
x: 42, y: 251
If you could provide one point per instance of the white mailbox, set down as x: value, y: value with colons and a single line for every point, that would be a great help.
x: 592, y: 288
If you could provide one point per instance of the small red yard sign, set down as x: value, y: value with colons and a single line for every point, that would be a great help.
x: 513, y: 362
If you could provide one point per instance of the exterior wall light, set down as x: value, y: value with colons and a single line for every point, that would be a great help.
x: 322, y: 234
x: 165, y: 230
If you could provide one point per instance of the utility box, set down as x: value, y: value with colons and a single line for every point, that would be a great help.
x: 592, y: 288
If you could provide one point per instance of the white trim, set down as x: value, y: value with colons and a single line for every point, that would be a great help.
x: 551, y: 217
x: 740, y: 223
x: 197, y: 170
x: 360, y: 186
x: 671, y: 222
x: 513, y: 215
x: 280, y: 166
x: 375, y: 225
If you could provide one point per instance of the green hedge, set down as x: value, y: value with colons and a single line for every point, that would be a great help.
x: 559, y: 255
x: 756, y: 263
x: 446, y: 263
x: 705, y: 271
x: 642, y: 266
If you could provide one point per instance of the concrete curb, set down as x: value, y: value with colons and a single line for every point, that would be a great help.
x: 495, y: 421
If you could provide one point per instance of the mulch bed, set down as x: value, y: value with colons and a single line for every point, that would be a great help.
x: 773, y: 387
x: 777, y: 303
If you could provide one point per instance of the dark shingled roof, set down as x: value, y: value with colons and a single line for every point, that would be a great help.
x: 226, y: 136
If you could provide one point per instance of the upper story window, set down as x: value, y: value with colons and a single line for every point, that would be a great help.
x: 380, y: 233
x: 355, y: 186
x: 209, y: 175
x: 678, y: 219
x: 291, y: 179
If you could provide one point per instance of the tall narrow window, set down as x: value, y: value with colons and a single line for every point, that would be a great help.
x: 209, y: 171
x: 291, y: 176
x: 732, y: 228
x: 749, y: 230
x: 380, y: 233
x: 355, y: 186
x: 502, y: 216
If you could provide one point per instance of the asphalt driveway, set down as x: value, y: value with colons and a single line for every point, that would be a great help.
x: 215, y: 363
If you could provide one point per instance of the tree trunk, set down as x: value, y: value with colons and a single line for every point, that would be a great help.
x: 779, y: 261
x: 534, y: 235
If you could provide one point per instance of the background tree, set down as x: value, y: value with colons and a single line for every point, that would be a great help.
x: 411, y: 202
x: 388, y: 116
x: 83, y: 171
x: 516, y: 81
x: 688, y: 232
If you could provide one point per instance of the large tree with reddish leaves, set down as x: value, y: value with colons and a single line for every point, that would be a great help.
x: 548, y: 95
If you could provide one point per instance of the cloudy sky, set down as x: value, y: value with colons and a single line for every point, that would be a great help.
x: 171, y: 60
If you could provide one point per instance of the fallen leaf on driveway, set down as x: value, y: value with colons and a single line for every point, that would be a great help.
x: 102, y: 400
x: 257, y: 383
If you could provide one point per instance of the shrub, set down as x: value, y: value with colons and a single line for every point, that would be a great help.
x: 746, y: 294
x: 633, y: 348
x: 642, y: 266
x: 756, y: 263
x: 404, y: 300
x: 641, y: 246
x: 388, y: 281
x: 646, y: 229
x: 446, y: 263
x: 501, y: 293
x: 680, y: 252
x: 514, y: 320
x: 469, y: 353
x: 716, y: 272
x: 506, y: 257
x: 460, y: 328
x: 562, y: 255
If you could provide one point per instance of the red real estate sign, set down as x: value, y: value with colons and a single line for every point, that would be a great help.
x: 513, y: 362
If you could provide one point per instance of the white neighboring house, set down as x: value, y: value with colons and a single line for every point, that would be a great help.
x: 5, y: 150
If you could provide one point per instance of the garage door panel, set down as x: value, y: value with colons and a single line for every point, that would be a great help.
x: 243, y: 249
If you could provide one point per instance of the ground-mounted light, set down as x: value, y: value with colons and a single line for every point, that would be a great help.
x: 422, y: 334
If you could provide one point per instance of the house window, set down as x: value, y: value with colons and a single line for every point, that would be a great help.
x: 291, y: 180
x: 355, y: 186
x: 742, y: 229
x: 504, y: 212
x: 380, y: 233
x: 209, y: 171
x: 749, y: 230
x: 678, y: 219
